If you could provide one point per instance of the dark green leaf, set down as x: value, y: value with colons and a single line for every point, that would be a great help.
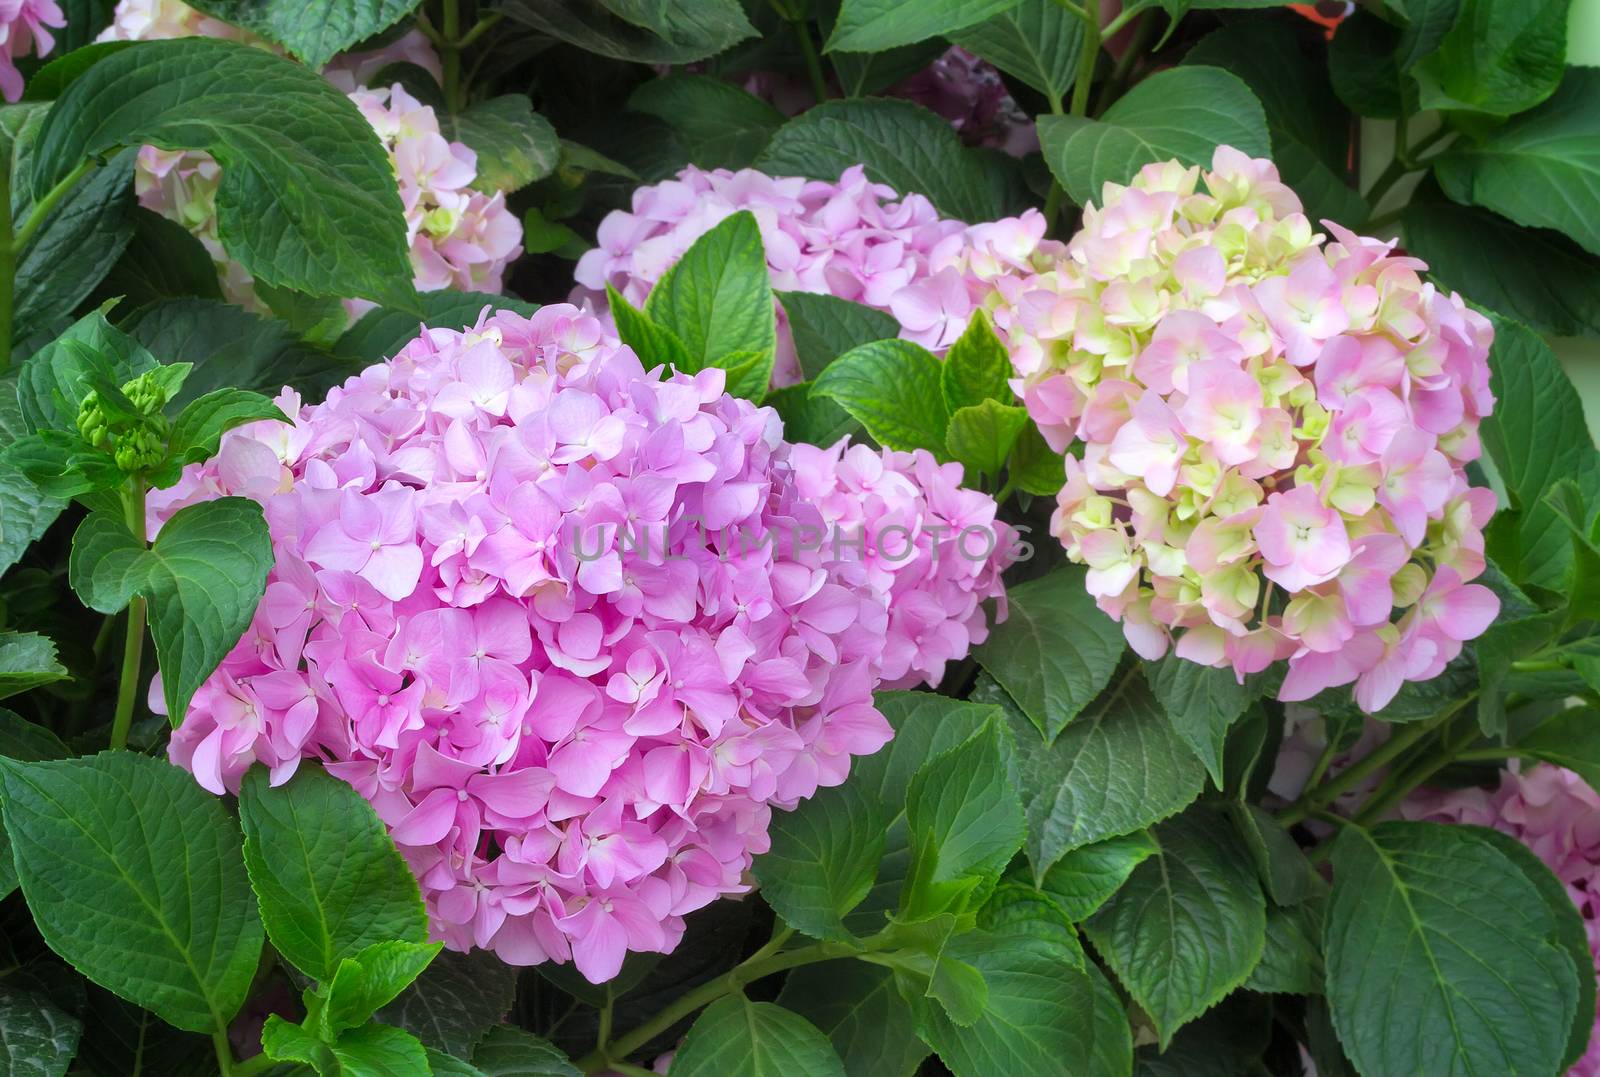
x: 1202, y: 702
x: 639, y: 31
x: 162, y: 261
x: 1435, y: 938
x: 1570, y: 739
x: 203, y: 578
x: 823, y: 860
x: 1188, y: 926
x: 654, y: 344
x: 329, y: 880
x: 1291, y: 960
x: 754, y: 1039
x: 1037, y: 41
x: 197, y: 431
x: 1363, y: 68
x: 515, y: 145
x: 824, y: 327
x: 891, y: 387
x: 456, y: 1003
x: 381, y: 1051
x: 307, y: 198
x: 1285, y: 873
x: 1500, y: 57
x: 25, y: 742
x: 1083, y: 879
x: 876, y: 25
x: 312, y: 32
x: 721, y: 125
x: 511, y: 1052
x: 814, y: 420
x: 1185, y: 112
x: 1035, y: 467
x: 859, y: 1008
x: 380, y: 333
x: 27, y: 660
x: 1055, y: 650
x: 124, y: 855
x: 37, y: 1038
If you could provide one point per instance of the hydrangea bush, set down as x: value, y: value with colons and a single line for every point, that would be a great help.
x: 837, y: 538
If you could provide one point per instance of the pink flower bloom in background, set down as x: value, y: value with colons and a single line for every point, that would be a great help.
x: 575, y: 628
x: 461, y: 237
x: 970, y: 94
x: 25, y: 27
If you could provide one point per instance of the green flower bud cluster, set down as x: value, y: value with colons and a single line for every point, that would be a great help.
x: 137, y: 443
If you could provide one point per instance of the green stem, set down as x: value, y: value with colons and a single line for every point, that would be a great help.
x: 219, y: 1040
x: 758, y: 965
x: 808, y: 52
x: 8, y: 267
x: 450, y: 33
x: 1396, y: 789
x: 1393, y: 174
x: 1352, y: 776
x: 1124, y: 65
x: 1539, y: 665
x: 1072, y: 9
x: 41, y: 209
x: 1487, y: 755
x: 1005, y: 491
x: 253, y: 1065
x: 485, y: 24
x: 133, y: 643
x: 1087, y: 58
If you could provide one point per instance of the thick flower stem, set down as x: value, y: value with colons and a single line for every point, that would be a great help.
x: 760, y: 964
x: 450, y: 61
x: 133, y: 643
x: 1399, y: 785
x: 225, y: 1066
x: 1087, y: 58
x: 808, y: 52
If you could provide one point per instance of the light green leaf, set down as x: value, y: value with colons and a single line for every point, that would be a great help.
x: 329, y: 880
x: 717, y: 300
x: 1188, y: 926
x: 1534, y: 275
x: 823, y: 860
x: 901, y: 144
x: 722, y: 126
x: 1499, y: 57
x: 307, y: 199
x: 203, y: 578
x: 515, y: 145
x: 285, y: 1041
x: 977, y: 367
x: 654, y: 344
x: 380, y: 1051
x: 54, y: 381
x: 1037, y: 41
x: 456, y: 1002
x: 511, y: 1052
x: 121, y: 855
x: 1117, y: 769
x: 312, y: 32
x: 1036, y: 468
x: 891, y: 387
x: 1542, y: 168
x: 1442, y: 956
x: 754, y: 1039
x: 1185, y: 112
x: 859, y: 1008
x: 981, y: 437
x: 825, y: 327
x: 876, y: 25
x: 27, y: 660
x: 198, y: 429
x: 370, y: 979
x: 1083, y: 879
x: 1202, y: 703
x: 1055, y: 650
x: 639, y: 31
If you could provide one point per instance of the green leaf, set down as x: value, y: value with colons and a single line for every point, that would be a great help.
x: 977, y: 367
x: 25, y: 511
x: 722, y: 126
x: 1434, y: 937
x: 1202, y: 702
x: 823, y: 860
x: 1308, y: 127
x: 515, y: 145
x: 754, y: 1039
x: 307, y: 198
x: 1569, y: 738
x: 859, y: 1008
x: 1047, y: 1010
x: 824, y: 327
x: 1571, y: 933
x: 1185, y: 112
x: 1083, y: 879
x: 1055, y: 650
x: 37, y: 1038
x: 312, y: 32
x: 511, y: 1052
x: 329, y: 879
x: 1188, y: 926
x: 1500, y: 57
x: 1036, y: 41
x: 1536, y: 436
x: 26, y: 742
x: 1285, y: 873
x: 891, y: 387
x: 197, y: 431
x: 203, y: 578
x: 443, y: 1065
x: 1117, y: 769
x: 1035, y: 467
x: 367, y: 981
x: 27, y: 660
x: 1505, y: 642
x: 1363, y: 68
x: 717, y: 300
x: 162, y: 261
x: 380, y: 333
x: 318, y: 320
x: 876, y: 25
x: 121, y: 855
x: 654, y: 344
x: 379, y: 1051
x: 79, y: 242
x: 285, y: 1041
x: 458, y: 1001
x: 1567, y: 500
x: 1541, y: 168
x: 1534, y: 275
x: 981, y: 437
x: 901, y: 144
x: 1291, y: 960
x: 814, y: 420
x: 963, y: 809
x: 55, y: 379
x: 639, y: 31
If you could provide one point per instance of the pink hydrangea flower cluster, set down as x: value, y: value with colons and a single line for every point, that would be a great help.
x: 573, y: 627
x: 969, y: 92
x: 25, y: 27
x: 460, y: 237
x: 853, y: 239
x: 1274, y: 429
x: 1554, y: 813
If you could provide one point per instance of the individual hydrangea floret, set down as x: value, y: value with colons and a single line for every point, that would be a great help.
x: 25, y: 27
x: 575, y: 628
x: 1274, y: 427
